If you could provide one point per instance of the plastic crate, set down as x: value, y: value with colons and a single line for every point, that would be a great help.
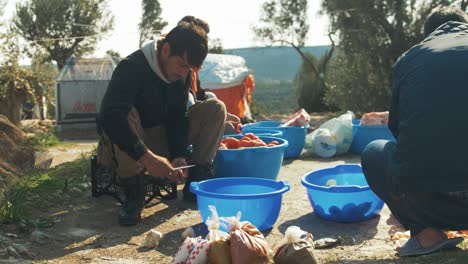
x: 104, y: 180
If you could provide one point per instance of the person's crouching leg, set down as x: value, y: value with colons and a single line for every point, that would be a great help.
x: 375, y: 160
x: 197, y: 174
x: 130, y: 212
x: 206, y: 125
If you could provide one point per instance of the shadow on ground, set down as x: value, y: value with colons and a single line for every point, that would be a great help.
x: 91, y: 224
x: 350, y: 233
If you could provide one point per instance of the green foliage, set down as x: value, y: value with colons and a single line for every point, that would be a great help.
x: 310, y: 89
x: 19, y: 84
x: 151, y: 21
x: 43, y: 81
x: 113, y: 54
x: 62, y: 28
x: 372, y: 35
x: 2, y: 9
x: 283, y: 21
x: 355, y: 84
x: 273, y: 97
x: 43, y: 189
x: 13, y: 206
x: 15, y: 87
x: 216, y: 46
x: 42, y: 141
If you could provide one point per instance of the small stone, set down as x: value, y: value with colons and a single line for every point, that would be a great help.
x: 326, y: 242
x: 152, y: 239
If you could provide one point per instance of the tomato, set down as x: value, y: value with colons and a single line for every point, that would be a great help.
x: 245, y: 143
x: 231, y: 143
x: 222, y: 146
x: 251, y: 136
x: 259, y: 143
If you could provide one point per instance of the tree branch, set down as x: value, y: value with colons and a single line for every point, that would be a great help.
x: 304, y: 57
x: 329, y: 53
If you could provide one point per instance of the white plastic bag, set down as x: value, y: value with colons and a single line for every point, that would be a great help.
x: 220, y: 244
x: 213, y: 224
x: 324, y: 143
x: 333, y: 137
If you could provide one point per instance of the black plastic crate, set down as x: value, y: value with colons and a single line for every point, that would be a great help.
x: 104, y: 180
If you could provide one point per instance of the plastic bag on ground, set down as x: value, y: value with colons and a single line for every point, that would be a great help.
x: 184, y: 250
x: 199, y: 253
x: 220, y: 252
x: 194, y: 250
x: 248, y: 245
x: 213, y: 225
x: 332, y: 138
x: 219, y: 241
x: 297, y: 248
x: 324, y: 143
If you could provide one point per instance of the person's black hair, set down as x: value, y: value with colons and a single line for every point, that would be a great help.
x: 190, y: 38
x: 441, y: 16
x: 196, y: 21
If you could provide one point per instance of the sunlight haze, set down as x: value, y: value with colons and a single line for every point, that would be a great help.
x: 231, y: 21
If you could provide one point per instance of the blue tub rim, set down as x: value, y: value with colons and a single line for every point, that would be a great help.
x: 357, y: 123
x: 284, y: 187
x: 283, y: 143
x: 264, y: 131
x: 251, y: 126
x: 351, y: 168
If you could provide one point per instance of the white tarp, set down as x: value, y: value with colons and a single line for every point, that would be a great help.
x: 222, y: 71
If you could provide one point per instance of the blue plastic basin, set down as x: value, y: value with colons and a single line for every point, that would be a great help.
x: 258, y: 200
x: 363, y: 135
x: 264, y: 132
x: 294, y: 135
x: 256, y: 162
x: 351, y: 200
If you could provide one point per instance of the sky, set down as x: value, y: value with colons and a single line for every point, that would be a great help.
x: 229, y: 20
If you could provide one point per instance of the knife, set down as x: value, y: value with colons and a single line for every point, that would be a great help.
x: 185, y: 167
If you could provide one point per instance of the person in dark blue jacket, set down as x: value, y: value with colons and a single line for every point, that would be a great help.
x: 423, y: 177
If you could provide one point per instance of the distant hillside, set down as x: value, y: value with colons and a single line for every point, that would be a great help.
x: 275, y: 63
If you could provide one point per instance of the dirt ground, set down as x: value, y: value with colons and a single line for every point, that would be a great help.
x: 87, y: 230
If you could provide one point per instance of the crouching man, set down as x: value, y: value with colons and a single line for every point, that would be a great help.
x: 146, y: 128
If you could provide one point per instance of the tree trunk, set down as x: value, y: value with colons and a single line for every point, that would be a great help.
x: 11, y: 107
x: 11, y: 110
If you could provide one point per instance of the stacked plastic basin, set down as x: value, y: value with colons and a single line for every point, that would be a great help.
x: 245, y: 182
x: 264, y: 132
x: 254, y: 162
x: 363, y: 135
x: 294, y: 135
